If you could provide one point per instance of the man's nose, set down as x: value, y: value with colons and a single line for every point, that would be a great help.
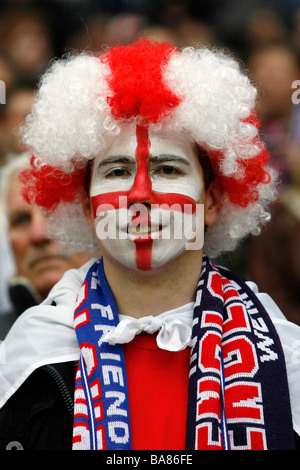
x: 141, y: 191
x: 39, y: 229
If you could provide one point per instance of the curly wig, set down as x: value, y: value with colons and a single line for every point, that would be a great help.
x: 84, y: 100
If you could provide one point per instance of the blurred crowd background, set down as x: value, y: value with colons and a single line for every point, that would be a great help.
x: 263, y: 35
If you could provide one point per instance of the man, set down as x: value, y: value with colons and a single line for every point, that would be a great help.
x: 170, y: 352
x: 39, y: 260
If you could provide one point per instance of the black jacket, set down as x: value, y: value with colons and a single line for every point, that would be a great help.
x: 23, y: 296
x: 39, y: 416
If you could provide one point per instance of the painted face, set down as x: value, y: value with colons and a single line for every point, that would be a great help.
x: 144, y: 191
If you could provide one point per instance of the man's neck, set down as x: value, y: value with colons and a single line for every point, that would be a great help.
x: 139, y: 293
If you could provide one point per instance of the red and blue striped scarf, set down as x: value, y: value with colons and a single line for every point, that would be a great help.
x: 238, y: 391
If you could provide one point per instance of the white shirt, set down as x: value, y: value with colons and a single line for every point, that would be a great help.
x: 22, y: 351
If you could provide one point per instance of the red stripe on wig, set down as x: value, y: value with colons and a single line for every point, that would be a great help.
x: 47, y: 186
x: 242, y: 190
x: 136, y: 81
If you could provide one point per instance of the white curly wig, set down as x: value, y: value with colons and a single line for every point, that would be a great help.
x: 84, y: 100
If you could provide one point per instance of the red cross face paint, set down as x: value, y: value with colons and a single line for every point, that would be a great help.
x: 145, y: 189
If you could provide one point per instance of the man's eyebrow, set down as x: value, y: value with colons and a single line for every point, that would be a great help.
x: 116, y: 159
x: 169, y: 158
x: 122, y: 159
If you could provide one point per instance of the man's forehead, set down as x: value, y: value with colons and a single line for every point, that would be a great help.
x: 16, y: 203
x: 14, y: 197
x: 162, y: 142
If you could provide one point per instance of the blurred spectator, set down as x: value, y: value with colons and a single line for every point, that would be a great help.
x: 7, y: 265
x: 90, y: 35
x: 160, y: 33
x: 25, y: 40
x: 7, y: 73
x: 273, y: 70
x: 123, y: 28
x: 191, y: 32
x: 18, y: 105
x: 186, y: 28
x: 273, y: 259
x: 295, y: 35
x: 40, y: 261
x: 229, y: 19
x: 264, y: 28
x: 99, y: 31
x: 8, y: 77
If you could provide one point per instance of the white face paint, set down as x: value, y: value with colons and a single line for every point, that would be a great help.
x: 126, y: 177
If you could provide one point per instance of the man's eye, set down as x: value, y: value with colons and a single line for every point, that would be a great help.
x: 21, y: 220
x: 118, y: 173
x: 168, y: 170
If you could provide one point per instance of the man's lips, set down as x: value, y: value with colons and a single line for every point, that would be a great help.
x: 141, y: 229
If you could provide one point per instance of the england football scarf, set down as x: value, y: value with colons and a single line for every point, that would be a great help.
x: 238, y: 392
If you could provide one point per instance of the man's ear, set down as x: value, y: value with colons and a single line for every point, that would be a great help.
x: 87, y: 210
x: 212, y: 206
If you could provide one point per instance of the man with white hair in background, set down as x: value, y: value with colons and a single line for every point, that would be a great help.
x: 170, y: 351
x: 39, y: 260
